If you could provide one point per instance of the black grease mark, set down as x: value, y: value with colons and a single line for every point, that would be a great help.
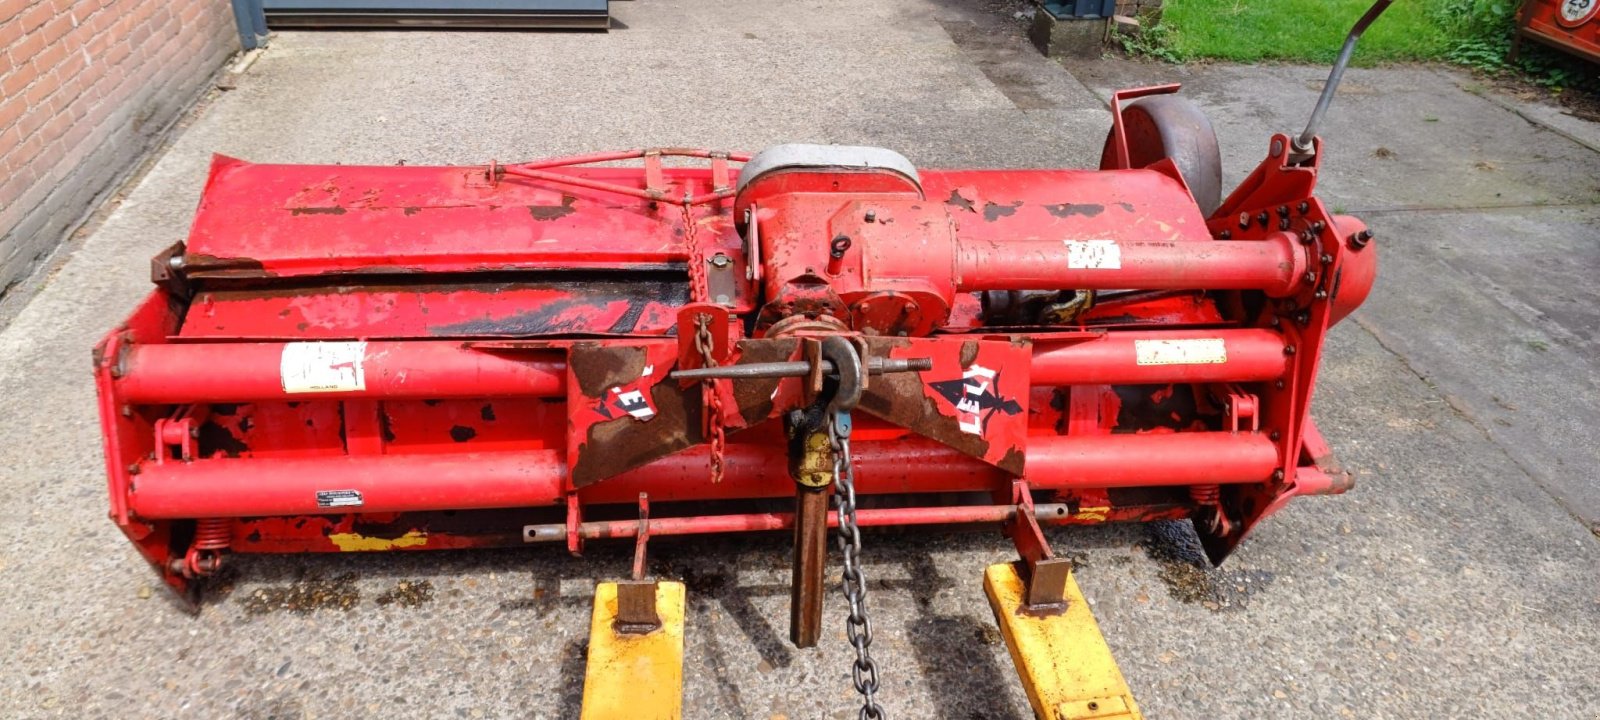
x: 254, y: 536
x: 385, y: 427
x: 957, y: 201
x: 1069, y: 209
x: 462, y: 433
x: 487, y: 413
x: 553, y: 212
x: 407, y: 593
x: 1126, y: 206
x: 995, y: 211
x: 628, y: 320
x: 1190, y: 578
x: 216, y: 438
x: 245, y: 424
x: 316, y: 211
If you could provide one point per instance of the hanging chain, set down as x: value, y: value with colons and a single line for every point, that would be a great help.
x: 698, y: 291
x: 704, y: 343
x: 858, y: 627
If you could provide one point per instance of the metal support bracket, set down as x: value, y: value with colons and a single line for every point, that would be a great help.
x: 1044, y: 575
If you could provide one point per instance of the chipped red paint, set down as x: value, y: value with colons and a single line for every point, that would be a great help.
x: 505, y: 336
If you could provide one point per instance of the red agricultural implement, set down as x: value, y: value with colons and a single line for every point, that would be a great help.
x: 374, y: 358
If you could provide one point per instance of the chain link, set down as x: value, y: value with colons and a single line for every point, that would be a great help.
x: 858, y: 627
x: 704, y: 343
x: 698, y: 289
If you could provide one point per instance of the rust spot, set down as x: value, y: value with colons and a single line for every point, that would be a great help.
x: 317, y: 211
x: 462, y: 433
x: 487, y: 413
x: 754, y: 396
x: 995, y: 211
x: 1085, y: 209
x: 957, y: 201
x: 411, y: 210
x: 553, y: 212
x: 969, y: 354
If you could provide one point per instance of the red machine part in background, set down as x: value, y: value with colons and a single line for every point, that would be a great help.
x: 1571, y: 25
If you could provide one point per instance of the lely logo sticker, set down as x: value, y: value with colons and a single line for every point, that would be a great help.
x: 628, y: 399
x: 975, y: 398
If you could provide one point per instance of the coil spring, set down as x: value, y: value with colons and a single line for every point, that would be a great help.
x: 1205, y: 494
x: 211, y: 537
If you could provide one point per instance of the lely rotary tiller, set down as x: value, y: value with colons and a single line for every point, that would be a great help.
x: 384, y: 358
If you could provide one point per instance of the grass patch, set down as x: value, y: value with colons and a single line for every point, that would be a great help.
x: 1300, y: 30
x: 1473, y: 33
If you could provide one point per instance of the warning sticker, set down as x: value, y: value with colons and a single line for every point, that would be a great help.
x: 338, y: 498
x: 1203, y: 351
x: 1094, y: 255
x: 315, y: 367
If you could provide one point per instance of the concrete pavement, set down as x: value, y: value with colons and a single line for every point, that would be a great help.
x: 1457, y: 580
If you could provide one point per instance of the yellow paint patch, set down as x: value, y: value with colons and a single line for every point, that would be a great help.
x: 1065, y: 665
x: 356, y: 542
x: 1097, y: 514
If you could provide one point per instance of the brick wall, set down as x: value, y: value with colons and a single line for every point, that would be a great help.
x: 85, y: 86
x: 1139, y: 8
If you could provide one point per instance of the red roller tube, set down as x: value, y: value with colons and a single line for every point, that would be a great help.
x: 386, y: 483
x: 1276, y: 265
x: 246, y: 372
x: 1114, y: 358
x: 397, y: 483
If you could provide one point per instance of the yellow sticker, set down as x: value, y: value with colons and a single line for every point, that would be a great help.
x: 1202, y: 351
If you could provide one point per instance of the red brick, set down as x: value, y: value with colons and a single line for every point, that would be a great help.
x: 57, y: 28
x: 13, y: 84
x: 42, y: 87
x: 29, y: 125
x: 34, y: 17
x: 10, y: 8
x: 23, y: 50
x: 11, y: 108
x: 72, y: 64
x: 50, y: 56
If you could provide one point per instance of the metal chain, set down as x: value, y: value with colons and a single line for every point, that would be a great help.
x: 858, y: 627
x: 704, y: 343
x: 698, y: 290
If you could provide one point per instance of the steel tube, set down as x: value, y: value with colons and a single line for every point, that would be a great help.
x: 754, y: 522
x: 399, y: 483
x: 1276, y: 265
x: 1114, y: 358
x: 246, y: 372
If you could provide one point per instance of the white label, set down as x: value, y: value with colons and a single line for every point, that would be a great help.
x: 316, y: 367
x: 1094, y: 255
x: 338, y: 498
x: 1206, y: 351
